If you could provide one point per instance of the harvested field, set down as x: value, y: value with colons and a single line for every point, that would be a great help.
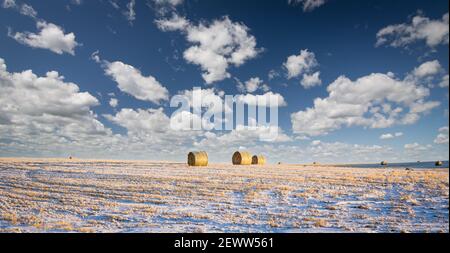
x: 50, y: 195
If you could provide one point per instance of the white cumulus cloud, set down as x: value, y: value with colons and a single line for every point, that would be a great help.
x: 312, y: 80
x: 429, y: 68
x: 417, y: 147
x: 113, y: 102
x: 141, y: 121
x: 131, y: 81
x: 421, y: 28
x: 215, y: 45
x: 442, y: 137
x: 45, y: 110
x: 375, y: 101
x: 301, y: 66
x: 50, y: 36
x: 444, y: 82
x: 209, y: 98
x: 268, y: 99
x: 252, y: 85
x: 390, y: 136
x: 316, y: 142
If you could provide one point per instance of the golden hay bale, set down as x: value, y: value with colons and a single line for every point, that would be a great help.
x: 198, y: 158
x: 258, y: 159
x: 242, y: 158
x: 438, y: 163
x: 384, y: 163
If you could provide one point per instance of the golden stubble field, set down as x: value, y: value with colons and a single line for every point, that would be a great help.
x: 61, y: 195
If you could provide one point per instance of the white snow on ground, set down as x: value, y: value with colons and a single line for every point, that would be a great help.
x: 38, y: 195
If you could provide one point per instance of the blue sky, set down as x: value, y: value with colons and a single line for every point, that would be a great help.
x: 393, y: 46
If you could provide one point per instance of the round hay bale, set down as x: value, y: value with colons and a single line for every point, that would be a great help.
x: 384, y: 163
x: 242, y: 158
x: 198, y: 158
x: 438, y: 163
x: 258, y: 159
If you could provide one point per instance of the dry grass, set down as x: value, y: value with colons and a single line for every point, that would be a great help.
x: 10, y: 217
x: 320, y: 223
x: 135, y: 196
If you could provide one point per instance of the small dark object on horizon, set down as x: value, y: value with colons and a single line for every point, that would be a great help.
x: 384, y: 163
x: 438, y: 163
x: 409, y: 169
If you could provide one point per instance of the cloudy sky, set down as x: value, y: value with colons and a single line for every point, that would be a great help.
x: 357, y: 81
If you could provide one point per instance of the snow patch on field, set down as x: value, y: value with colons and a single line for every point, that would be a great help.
x: 135, y: 196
